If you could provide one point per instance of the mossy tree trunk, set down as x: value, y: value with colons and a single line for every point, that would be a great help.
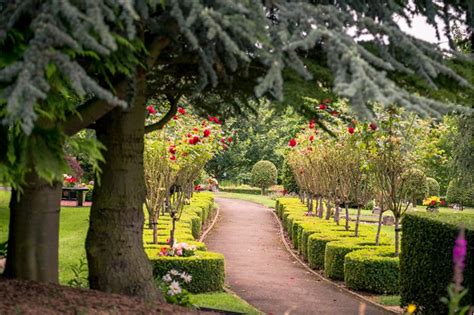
x: 116, y: 258
x: 33, y: 235
x: 346, y: 207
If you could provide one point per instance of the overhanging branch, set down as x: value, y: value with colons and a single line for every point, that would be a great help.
x: 167, y: 117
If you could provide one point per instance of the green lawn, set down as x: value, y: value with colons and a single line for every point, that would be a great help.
x: 389, y: 300
x: 72, y: 234
x: 263, y: 200
x: 223, y: 301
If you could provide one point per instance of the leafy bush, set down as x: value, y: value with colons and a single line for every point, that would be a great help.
x: 426, y: 266
x: 334, y: 256
x: 288, y: 179
x: 264, y: 174
x: 416, y: 184
x: 376, y: 270
x: 206, y: 268
x: 460, y: 193
x: 433, y: 187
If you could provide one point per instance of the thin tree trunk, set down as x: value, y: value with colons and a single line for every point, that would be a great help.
x: 155, y: 227
x: 173, y: 228
x: 114, y: 245
x: 310, y: 209
x: 379, y: 228
x: 348, y: 218
x: 33, y: 235
x: 397, y: 236
x: 356, y: 233
x: 328, y: 210
x: 316, y: 204
x: 336, y: 213
x: 321, y: 208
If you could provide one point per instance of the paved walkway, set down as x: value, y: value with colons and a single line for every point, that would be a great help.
x: 260, y: 270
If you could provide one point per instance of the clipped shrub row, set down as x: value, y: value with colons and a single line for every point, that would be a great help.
x: 206, y: 268
x: 327, y: 246
x: 246, y: 190
x: 426, y: 266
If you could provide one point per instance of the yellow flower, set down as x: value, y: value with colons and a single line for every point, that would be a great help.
x: 411, y: 309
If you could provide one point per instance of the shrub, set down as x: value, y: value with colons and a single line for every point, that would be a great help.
x: 426, y: 266
x: 376, y: 270
x: 334, y: 256
x: 460, y: 193
x: 264, y: 174
x: 206, y: 268
x: 433, y: 187
x: 416, y: 184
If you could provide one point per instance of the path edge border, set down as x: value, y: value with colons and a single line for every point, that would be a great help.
x: 216, y: 216
x: 301, y: 262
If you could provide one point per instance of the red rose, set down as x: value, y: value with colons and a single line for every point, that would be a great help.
x: 311, y: 138
x: 197, y: 187
x: 292, y: 143
x: 196, y: 139
x: 211, y: 118
x: 334, y: 113
x: 373, y: 126
x: 230, y: 139
x: 322, y: 106
x: 432, y: 202
x: 151, y: 110
x: 189, y: 135
x: 443, y: 202
x: 175, y: 117
x: 195, y: 129
x: 351, y: 130
x: 207, y: 133
x: 311, y: 125
x: 223, y: 140
x: 181, y: 110
x: 173, y: 158
x: 172, y: 149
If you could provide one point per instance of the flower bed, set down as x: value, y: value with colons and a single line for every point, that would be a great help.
x: 187, y: 255
x: 326, y: 245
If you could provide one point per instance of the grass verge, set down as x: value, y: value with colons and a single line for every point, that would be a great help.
x: 388, y: 300
x: 223, y: 301
x: 263, y: 200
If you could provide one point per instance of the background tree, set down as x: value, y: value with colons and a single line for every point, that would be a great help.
x: 264, y: 174
x: 433, y: 187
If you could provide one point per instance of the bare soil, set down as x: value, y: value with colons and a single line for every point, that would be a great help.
x: 30, y: 297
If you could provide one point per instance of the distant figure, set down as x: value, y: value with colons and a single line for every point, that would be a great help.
x: 213, y: 184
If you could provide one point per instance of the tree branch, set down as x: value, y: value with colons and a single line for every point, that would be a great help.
x: 167, y: 117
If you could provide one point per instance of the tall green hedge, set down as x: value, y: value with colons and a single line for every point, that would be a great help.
x: 426, y: 266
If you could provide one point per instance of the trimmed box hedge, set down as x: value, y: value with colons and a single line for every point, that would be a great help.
x: 375, y: 270
x: 426, y: 266
x: 325, y: 244
x: 206, y: 268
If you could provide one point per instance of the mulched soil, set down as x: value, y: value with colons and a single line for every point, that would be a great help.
x: 30, y: 297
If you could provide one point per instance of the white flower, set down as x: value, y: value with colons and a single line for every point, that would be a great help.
x: 167, y: 278
x: 187, y: 278
x: 174, y: 272
x: 174, y: 288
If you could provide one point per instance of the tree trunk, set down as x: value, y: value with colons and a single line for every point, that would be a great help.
x: 310, y: 209
x: 155, y: 227
x: 336, y: 213
x: 316, y: 203
x: 397, y: 236
x: 33, y: 236
x: 328, y: 210
x: 356, y: 233
x: 173, y: 228
x: 348, y: 218
x: 379, y: 228
x: 116, y: 258
x: 321, y: 208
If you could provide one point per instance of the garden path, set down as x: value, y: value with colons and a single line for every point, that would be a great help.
x: 260, y: 270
